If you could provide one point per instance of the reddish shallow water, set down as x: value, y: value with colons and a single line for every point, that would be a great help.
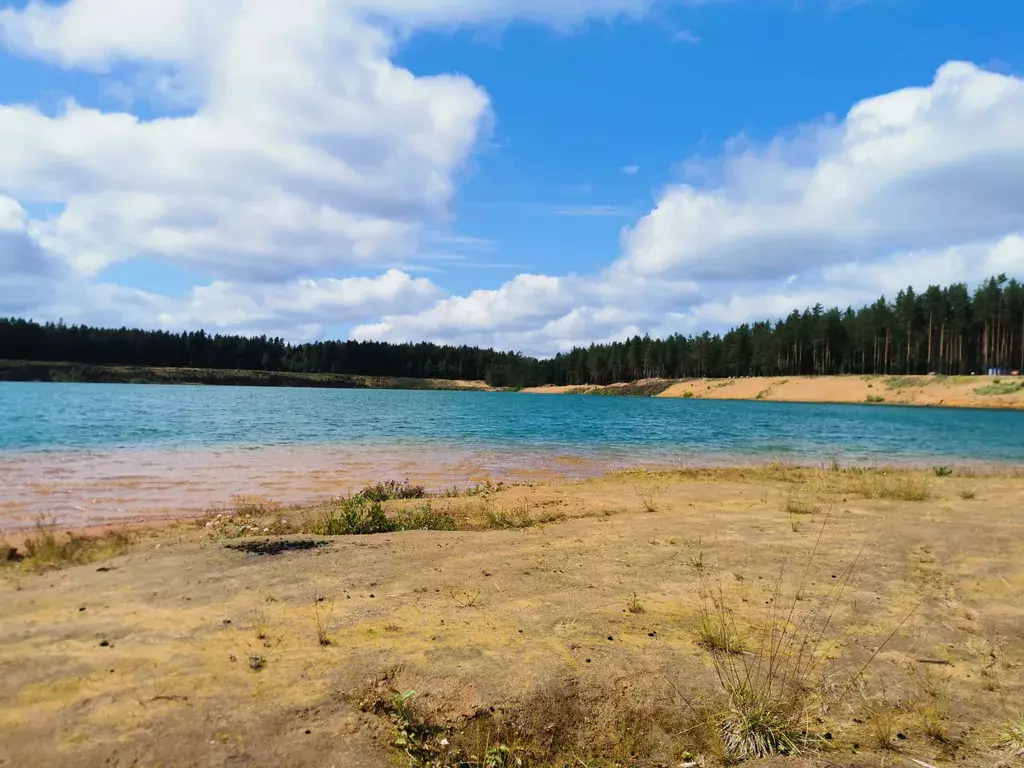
x: 90, y: 487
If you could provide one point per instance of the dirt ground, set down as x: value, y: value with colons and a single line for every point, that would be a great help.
x: 568, y: 642
x: 948, y: 391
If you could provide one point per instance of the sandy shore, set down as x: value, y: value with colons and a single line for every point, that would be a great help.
x: 573, y: 638
x: 946, y: 391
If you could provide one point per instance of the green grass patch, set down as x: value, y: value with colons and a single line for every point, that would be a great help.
x: 359, y: 515
x: 998, y: 387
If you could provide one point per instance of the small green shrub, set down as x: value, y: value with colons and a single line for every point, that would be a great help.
x: 392, y: 489
x: 353, y: 516
x: 874, y: 399
x: 942, y: 471
x: 359, y: 515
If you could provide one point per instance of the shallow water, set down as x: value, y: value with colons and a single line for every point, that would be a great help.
x: 89, y: 452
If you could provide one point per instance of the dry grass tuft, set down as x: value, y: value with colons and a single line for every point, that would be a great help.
x: 968, y: 494
x: 882, y: 719
x: 634, y: 606
x: 49, y: 548
x: 321, y: 621
x: 880, y: 486
x: 1011, y: 737
x: 796, y: 505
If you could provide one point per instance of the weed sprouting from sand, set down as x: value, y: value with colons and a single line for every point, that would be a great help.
x: 321, y: 620
x: 259, y: 624
x: 874, y: 399
x: 695, y: 554
x: 647, y: 499
x: 1011, y: 736
x: 465, y: 598
x: 257, y: 661
x: 634, y: 606
x: 968, y: 494
x: 942, y: 471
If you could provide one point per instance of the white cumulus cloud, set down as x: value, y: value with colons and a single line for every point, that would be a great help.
x: 916, y: 187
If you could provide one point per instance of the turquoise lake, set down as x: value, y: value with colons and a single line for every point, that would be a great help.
x: 74, y: 417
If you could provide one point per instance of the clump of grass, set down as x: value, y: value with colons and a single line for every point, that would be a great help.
x: 254, y: 505
x: 968, y: 494
x: 392, y: 489
x: 795, y: 505
x: 424, y: 518
x: 634, y: 606
x: 771, y: 687
x: 48, y: 547
x: 718, y: 632
x: 942, y: 471
x: 353, y: 516
x: 1011, y: 736
x: 874, y: 399
x: 998, y: 387
x: 358, y: 515
x: 882, y: 719
x: 509, y: 517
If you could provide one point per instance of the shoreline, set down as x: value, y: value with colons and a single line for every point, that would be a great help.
x: 90, y: 489
x: 938, y: 391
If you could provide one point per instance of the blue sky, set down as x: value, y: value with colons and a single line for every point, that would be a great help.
x: 523, y: 174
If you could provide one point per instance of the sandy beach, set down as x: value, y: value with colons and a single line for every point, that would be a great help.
x: 941, y: 391
x: 557, y: 621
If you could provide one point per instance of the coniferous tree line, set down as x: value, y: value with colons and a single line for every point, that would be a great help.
x: 942, y: 330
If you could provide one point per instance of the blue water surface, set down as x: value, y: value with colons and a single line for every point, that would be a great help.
x: 61, y: 417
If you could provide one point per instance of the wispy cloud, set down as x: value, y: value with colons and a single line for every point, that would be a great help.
x: 686, y: 36
x: 589, y: 210
x: 581, y: 189
x: 631, y: 170
x: 465, y: 242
